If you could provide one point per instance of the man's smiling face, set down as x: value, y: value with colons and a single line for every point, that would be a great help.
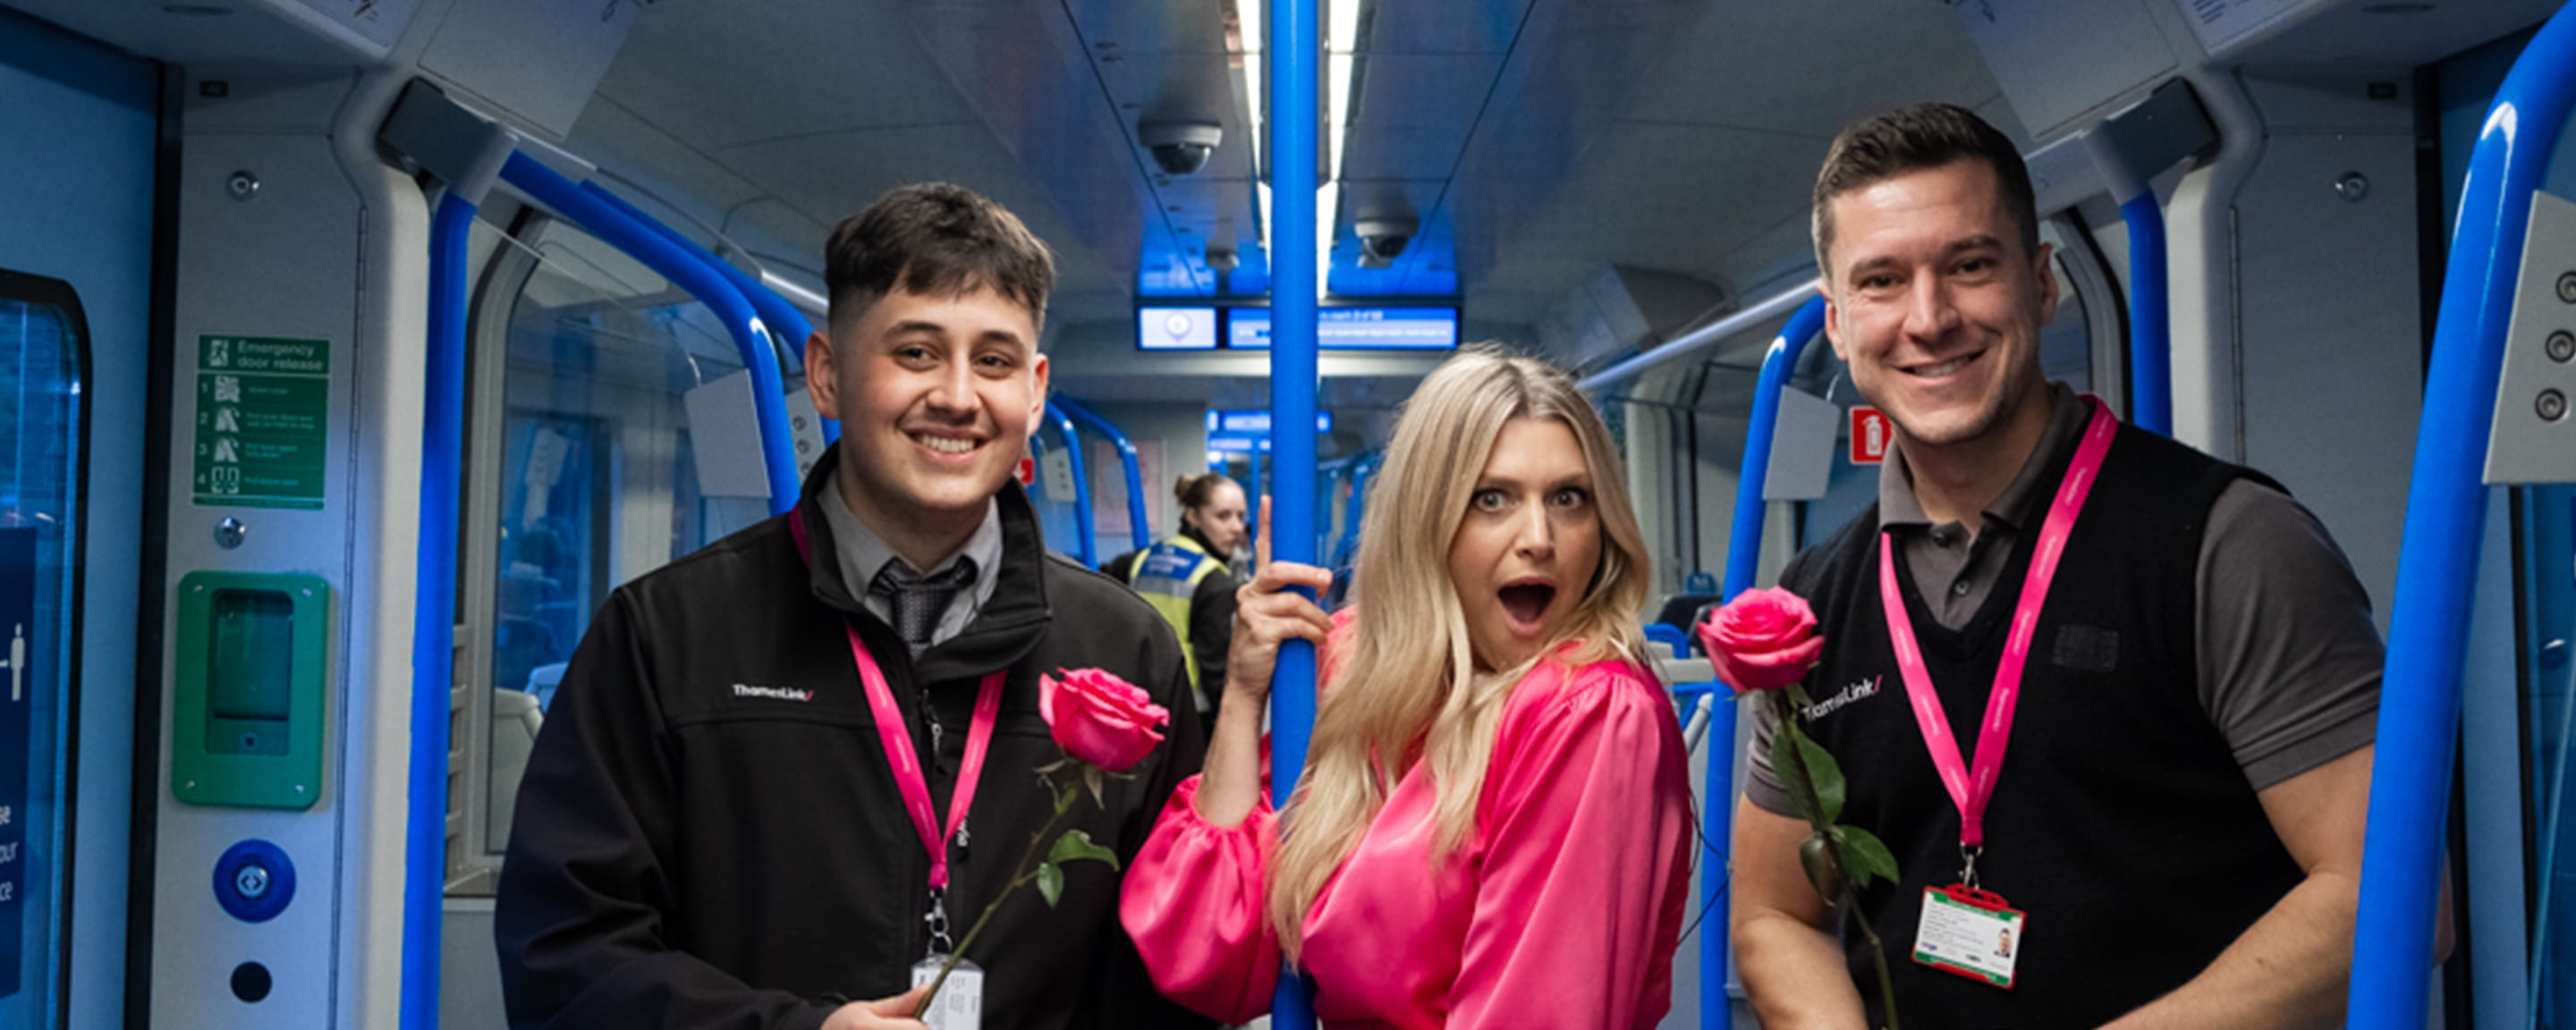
x: 935, y: 396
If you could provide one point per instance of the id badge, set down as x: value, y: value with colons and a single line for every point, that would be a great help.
x: 1969, y: 932
x: 960, y: 1004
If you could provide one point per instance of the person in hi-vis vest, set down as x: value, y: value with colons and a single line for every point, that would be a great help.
x: 1185, y: 577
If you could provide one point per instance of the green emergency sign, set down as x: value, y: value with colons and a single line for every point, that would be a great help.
x: 263, y: 408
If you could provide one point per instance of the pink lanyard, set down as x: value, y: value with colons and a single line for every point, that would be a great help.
x: 907, y: 766
x: 908, y: 777
x: 1971, y: 796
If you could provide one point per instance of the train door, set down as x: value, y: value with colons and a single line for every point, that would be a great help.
x: 77, y: 125
x: 2519, y: 867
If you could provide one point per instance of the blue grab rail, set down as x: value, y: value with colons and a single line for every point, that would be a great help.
x: 433, y: 624
x: 1743, y: 560
x: 1137, y: 527
x: 2150, y: 317
x: 1085, y: 547
x: 2419, y: 704
x: 750, y: 335
x: 791, y: 324
x: 1295, y: 282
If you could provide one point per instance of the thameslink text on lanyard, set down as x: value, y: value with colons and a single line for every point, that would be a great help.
x: 1970, y: 793
x: 909, y: 779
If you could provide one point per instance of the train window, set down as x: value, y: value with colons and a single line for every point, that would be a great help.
x: 593, y: 382
x: 43, y: 426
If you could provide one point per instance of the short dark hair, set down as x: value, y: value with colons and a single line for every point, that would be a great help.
x: 1912, y: 139
x: 937, y: 239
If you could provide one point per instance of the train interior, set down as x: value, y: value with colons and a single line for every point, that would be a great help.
x: 219, y: 301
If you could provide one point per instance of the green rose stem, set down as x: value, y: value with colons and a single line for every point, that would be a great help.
x: 1025, y: 872
x: 1786, y: 703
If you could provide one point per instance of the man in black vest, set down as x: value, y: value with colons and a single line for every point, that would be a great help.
x: 2175, y: 840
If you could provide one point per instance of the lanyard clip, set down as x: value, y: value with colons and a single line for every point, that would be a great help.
x: 937, y: 920
x: 1968, y: 854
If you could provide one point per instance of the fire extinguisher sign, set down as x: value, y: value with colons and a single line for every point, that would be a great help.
x: 1870, y: 433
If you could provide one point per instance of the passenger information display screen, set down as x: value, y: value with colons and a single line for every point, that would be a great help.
x: 1170, y: 328
x: 1353, y: 328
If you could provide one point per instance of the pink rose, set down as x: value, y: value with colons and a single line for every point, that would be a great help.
x: 1099, y: 718
x: 1763, y: 640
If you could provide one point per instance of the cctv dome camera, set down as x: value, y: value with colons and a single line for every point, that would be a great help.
x: 1180, y: 148
x: 1382, y: 240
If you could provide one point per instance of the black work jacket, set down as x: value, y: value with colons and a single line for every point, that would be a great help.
x: 709, y: 832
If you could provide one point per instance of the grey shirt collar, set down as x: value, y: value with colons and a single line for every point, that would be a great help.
x: 862, y: 553
x: 1898, y: 507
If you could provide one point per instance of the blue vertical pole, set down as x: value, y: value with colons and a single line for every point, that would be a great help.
x: 433, y: 623
x: 2150, y: 317
x: 1084, y: 546
x: 1295, y: 50
x: 2419, y: 701
x: 1743, y: 560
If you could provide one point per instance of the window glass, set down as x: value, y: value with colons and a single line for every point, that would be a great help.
x: 42, y: 363
x: 621, y: 438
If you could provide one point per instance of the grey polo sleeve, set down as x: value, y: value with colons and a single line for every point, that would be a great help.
x: 2289, y: 658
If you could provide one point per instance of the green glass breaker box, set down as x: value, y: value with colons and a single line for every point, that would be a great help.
x: 246, y: 724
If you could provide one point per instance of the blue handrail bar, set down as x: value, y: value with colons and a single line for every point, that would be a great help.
x: 2150, y: 317
x: 1743, y: 560
x: 1085, y: 547
x: 1137, y: 527
x: 2419, y: 703
x: 433, y: 623
x: 792, y: 328
x: 1295, y: 282
x: 750, y: 335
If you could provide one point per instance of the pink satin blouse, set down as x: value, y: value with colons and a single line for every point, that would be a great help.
x: 1563, y: 909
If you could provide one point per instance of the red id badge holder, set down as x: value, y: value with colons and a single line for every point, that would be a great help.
x: 1969, y: 932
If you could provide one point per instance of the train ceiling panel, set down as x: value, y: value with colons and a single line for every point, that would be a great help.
x: 1445, y: 26
x: 198, y: 33
x: 808, y: 78
x: 2395, y: 35
x: 1414, y: 112
x: 1780, y: 68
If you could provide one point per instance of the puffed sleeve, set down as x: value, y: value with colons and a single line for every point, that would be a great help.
x: 1195, y: 906
x: 1586, y: 820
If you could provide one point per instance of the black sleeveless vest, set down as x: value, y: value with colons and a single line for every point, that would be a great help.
x: 2120, y: 822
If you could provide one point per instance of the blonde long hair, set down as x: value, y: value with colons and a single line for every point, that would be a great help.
x: 1406, y: 686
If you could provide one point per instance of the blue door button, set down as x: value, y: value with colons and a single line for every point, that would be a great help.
x: 254, y: 880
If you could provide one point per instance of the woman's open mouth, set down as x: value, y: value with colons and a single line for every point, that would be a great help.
x: 1526, y: 602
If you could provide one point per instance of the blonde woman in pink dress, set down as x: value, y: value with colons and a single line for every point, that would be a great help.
x: 1494, y: 828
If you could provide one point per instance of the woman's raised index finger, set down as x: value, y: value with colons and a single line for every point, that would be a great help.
x: 1261, y: 540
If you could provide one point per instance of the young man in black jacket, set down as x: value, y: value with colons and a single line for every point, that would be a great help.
x: 713, y: 830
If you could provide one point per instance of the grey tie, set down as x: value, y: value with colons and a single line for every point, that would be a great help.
x: 918, y: 600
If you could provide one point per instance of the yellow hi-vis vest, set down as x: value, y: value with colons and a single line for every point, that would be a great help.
x: 1167, y: 576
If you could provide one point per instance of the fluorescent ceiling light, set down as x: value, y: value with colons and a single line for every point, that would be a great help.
x: 1341, y: 46
x: 1327, y: 199
x: 1248, y: 23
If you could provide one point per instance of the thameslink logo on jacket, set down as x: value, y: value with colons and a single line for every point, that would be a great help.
x: 772, y: 693
x: 1857, y: 690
